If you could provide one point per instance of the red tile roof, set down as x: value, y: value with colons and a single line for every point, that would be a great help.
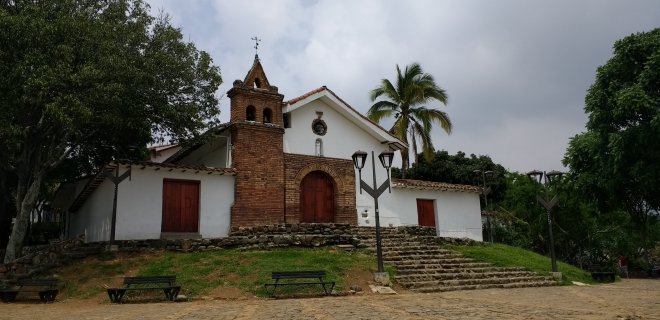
x: 430, y: 185
x: 196, y: 168
x: 306, y: 95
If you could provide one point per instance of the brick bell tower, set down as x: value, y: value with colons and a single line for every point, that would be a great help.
x: 257, y: 134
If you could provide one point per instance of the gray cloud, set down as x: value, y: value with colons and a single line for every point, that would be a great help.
x: 516, y: 71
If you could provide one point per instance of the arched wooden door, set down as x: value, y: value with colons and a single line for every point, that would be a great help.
x: 317, y: 198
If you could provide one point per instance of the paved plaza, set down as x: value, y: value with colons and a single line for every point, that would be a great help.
x: 626, y: 299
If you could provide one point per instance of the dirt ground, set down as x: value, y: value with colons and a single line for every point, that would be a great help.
x: 626, y: 299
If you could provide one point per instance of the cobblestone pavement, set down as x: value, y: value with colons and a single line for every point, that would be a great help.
x: 627, y: 299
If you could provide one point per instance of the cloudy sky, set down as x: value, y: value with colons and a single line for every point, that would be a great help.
x: 516, y: 71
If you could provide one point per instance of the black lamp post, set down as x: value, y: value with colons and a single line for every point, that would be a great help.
x: 548, y: 203
x: 386, y: 157
x: 485, y: 191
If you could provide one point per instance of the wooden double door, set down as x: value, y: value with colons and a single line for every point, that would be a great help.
x: 317, y: 198
x: 180, y: 206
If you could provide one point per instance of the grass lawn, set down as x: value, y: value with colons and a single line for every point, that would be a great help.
x: 503, y: 255
x: 243, y: 273
x: 215, y: 272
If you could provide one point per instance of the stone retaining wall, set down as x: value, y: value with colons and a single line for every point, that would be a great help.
x: 267, y: 236
x: 38, y: 259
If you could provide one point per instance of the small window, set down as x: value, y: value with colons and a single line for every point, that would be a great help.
x: 318, y: 148
x: 257, y: 83
x: 287, y: 120
x: 251, y: 114
x: 268, y: 115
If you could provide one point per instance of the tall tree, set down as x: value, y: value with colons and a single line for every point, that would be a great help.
x: 405, y: 100
x: 618, y: 158
x: 76, y: 75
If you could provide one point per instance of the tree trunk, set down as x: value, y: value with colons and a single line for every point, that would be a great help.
x: 7, y: 209
x: 414, y: 145
x: 25, y: 206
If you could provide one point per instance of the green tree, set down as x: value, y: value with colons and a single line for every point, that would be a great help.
x: 618, y: 158
x: 76, y: 75
x: 459, y: 169
x: 405, y: 101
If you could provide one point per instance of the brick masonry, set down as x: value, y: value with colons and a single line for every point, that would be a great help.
x: 340, y: 170
x: 267, y: 189
x: 257, y: 151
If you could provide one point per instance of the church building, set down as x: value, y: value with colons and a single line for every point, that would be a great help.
x: 274, y: 162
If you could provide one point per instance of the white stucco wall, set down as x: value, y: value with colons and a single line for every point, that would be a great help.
x: 140, y: 206
x: 162, y: 155
x: 342, y: 139
x: 213, y: 153
x: 93, y: 218
x: 457, y: 214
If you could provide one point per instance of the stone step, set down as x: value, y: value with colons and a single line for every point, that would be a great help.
x: 525, y: 284
x: 435, y: 260
x: 458, y: 275
x: 428, y: 259
x: 417, y: 250
x: 424, y: 258
x: 423, y: 265
x: 432, y: 269
x: 468, y: 282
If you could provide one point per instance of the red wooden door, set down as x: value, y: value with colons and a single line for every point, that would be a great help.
x: 425, y: 213
x: 317, y: 198
x: 180, y: 206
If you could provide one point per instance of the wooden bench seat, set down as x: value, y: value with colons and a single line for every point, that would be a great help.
x: 603, y: 275
x: 47, y: 289
x: 145, y: 283
x: 318, y: 277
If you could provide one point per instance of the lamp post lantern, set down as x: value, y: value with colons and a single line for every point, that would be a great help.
x: 545, y: 178
x: 485, y: 191
x: 359, y: 159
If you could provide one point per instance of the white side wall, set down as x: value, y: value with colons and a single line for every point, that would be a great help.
x: 214, y: 153
x: 164, y: 154
x: 342, y: 139
x: 457, y: 214
x: 140, y: 206
x: 93, y: 218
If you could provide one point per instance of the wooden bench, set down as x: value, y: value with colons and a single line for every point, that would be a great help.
x: 603, y: 276
x: 165, y: 283
x: 47, y: 289
x: 298, y: 275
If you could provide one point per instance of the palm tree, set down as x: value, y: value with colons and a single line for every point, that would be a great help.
x: 406, y: 102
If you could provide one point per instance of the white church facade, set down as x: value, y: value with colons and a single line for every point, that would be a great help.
x: 275, y: 162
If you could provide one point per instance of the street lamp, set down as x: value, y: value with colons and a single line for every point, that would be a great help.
x: 545, y: 178
x: 359, y: 159
x: 485, y: 190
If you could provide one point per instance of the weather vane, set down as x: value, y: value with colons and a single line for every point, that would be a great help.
x: 256, y: 47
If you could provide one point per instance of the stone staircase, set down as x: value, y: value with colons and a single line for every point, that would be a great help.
x: 424, y: 266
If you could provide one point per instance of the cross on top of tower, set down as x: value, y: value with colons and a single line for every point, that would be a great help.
x: 256, y: 47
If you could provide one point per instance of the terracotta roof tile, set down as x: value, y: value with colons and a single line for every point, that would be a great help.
x: 200, y: 168
x: 431, y: 185
x: 306, y: 95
